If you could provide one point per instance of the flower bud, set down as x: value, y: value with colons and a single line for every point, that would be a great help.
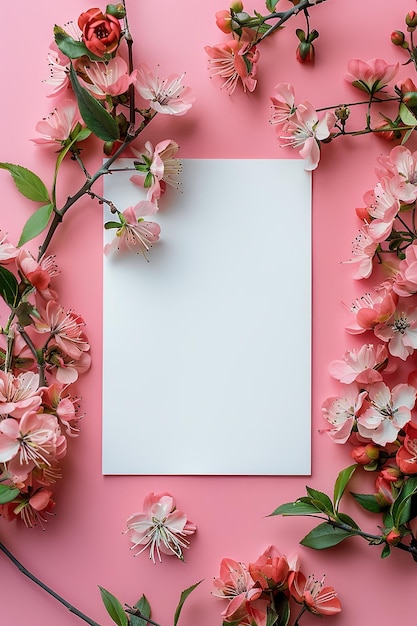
x: 237, y: 6
x: 406, y: 86
x: 116, y: 10
x: 224, y: 21
x: 342, y: 113
x: 305, y: 52
x: 393, y: 537
x: 411, y: 20
x: 398, y: 38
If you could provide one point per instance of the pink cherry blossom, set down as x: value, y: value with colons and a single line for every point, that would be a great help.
x: 364, y: 248
x: 66, y: 328
x: 400, y: 332
x: 383, y: 207
x: 362, y: 365
x: 238, y: 587
x: 270, y: 570
x: 168, y: 96
x: 62, y: 406
x: 159, y: 167
x: 234, y: 61
x: 401, y: 168
x: 58, y: 126
x: 406, y: 456
x: 65, y: 369
x: 19, y: 394
x: 59, y: 67
x: 341, y: 412
x: 7, y: 250
x: 371, y: 76
x: 405, y: 283
x: 370, y: 310
x: 388, y: 412
x: 105, y: 79
x: 283, y: 104
x: 160, y: 527
x: 135, y: 233
x: 305, y: 130
x: 311, y: 592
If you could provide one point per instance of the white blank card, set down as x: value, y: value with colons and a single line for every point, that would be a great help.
x: 207, y: 348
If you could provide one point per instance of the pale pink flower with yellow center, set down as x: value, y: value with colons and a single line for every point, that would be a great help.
x: 363, y: 366
x: 19, y: 394
x: 400, y: 332
x: 159, y: 168
x: 135, y: 234
x: 364, y: 248
x: 341, y: 412
x: 161, y: 527
x: 234, y: 61
x: 58, y: 126
x: 388, y: 412
x: 168, y: 96
x: 65, y: 327
x: 305, y: 130
x: 283, y: 104
x: 105, y: 79
x: 371, y: 76
x: 312, y: 593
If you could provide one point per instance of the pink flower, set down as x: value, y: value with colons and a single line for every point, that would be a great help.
x: 30, y: 507
x: 105, y: 79
x: 371, y: 310
x: 341, y: 412
x: 160, y: 527
x: 363, y: 365
x: 134, y: 233
x: 234, y: 61
x: 59, y: 67
x: 236, y: 585
x: 38, y: 274
x: 400, y: 167
x: 59, y: 124
x: 270, y: 570
x: 101, y: 32
x: 383, y: 207
x: 64, y: 327
x: 371, y: 76
x: 388, y: 412
x: 407, y: 454
x: 19, y: 394
x: 311, y: 592
x: 166, y: 96
x: 405, y: 283
x: 159, y: 167
x: 7, y: 251
x: 65, y: 368
x: 283, y: 104
x: 305, y: 130
x: 364, y: 248
x: 400, y: 332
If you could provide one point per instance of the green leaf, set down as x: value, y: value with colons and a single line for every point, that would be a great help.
x: 406, y: 116
x: 145, y: 608
x: 114, y: 608
x: 72, y: 48
x: 325, y: 536
x: 401, y: 508
x: 110, y: 225
x: 282, y: 608
x: 7, y: 494
x: 271, y: 4
x: 27, y: 182
x: 321, y: 499
x: 37, y: 222
x: 95, y: 116
x: 346, y: 519
x: 183, y: 597
x: 386, y: 551
x: 368, y: 502
x: 340, y: 485
x: 9, y: 288
x: 296, y: 508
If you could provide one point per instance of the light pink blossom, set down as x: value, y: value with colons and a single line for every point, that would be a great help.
x: 371, y: 76
x: 238, y: 587
x: 388, y: 412
x: 283, y: 101
x: 19, y: 394
x: 59, y: 67
x: 400, y: 332
x: 7, y: 251
x: 66, y: 328
x: 234, y: 61
x: 106, y: 79
x: 370, y: 310
x: 158, y: 167
x: 363, y: 366
x: 161, y: 527
x: 168, y: 96
x: 401, y: 168
x: 364, y: 248
x: 311, y: 592
x: 405, y: 283
x: 135, y: 233
x: 341, y: 412
x: 58, y: 126
x: 305, y: 130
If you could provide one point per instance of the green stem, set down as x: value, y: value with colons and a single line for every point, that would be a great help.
x: 301, y: 613
x: 284, y: 16
x: 42, y: 585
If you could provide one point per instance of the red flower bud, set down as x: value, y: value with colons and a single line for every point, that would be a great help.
x: 393, y: 537
x: 411, y: 20
x: 397, y: 37
x: 305, y: 52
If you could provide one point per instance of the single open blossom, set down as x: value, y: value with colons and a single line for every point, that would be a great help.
x: 341, y: 412
x: 59, y: 124
x: 305, y: 130
x: 66, y: 328
x: 65, y: 368
x: 400, y: 167
x: 234, y: 61
x: 19, y: 394
x: 158, y: 167
x: 371, y: 76
x: 237, y: 585
x: 135, y: 233
x: 400, y: 332
x: 405, y: 283
x: 56, y: 400
x: 101, y: 32
x: 7, y: 250
x: 312, y: 593
x: 270, y: 570
x: 31, y: 507
x: 283, y: 104
x: 371, y: 310
x: 59, y: 67
x: 105, y: 79
x: 161, y: 528
x: 406, y: 456
x: 363, y: 366
x: 387, y: 413
x: 168, y: 96
x: 383, y: 206
x: 364, y: 248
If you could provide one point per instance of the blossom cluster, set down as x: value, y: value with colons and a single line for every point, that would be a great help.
x: 260, y: 593
x: 374, y: 412
x: 43, y: 351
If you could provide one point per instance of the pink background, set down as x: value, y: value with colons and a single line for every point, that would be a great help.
x: 83, y: 546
